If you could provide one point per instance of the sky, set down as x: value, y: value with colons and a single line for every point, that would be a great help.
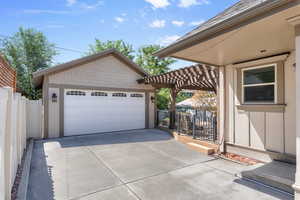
x: 72, y: 25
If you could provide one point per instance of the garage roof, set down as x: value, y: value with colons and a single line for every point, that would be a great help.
x: 38, y: 76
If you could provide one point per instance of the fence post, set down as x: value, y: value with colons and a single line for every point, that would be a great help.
x: 3, y: 113
x: 18, y: 128
x: 178, y: 122
x: 24, y: 128
x: 172, y: 108
x: 215, y: 128
x: 8, y: 144
x: 157, y: 119
x: 194, y: 121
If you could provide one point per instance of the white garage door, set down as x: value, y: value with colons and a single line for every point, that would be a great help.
x: 87, y: 112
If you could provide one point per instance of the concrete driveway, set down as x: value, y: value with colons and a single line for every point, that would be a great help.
x: 134, y: 165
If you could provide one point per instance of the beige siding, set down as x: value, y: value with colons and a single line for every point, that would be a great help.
x: 105, y: 72
x: 242, y: 128
x: 262, y: 130
x: 257, y: 130
x: 274, y: 132
x: 53, y: 117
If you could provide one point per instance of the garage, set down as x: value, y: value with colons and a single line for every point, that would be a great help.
x: 89, y: 112
x: 95, y: 94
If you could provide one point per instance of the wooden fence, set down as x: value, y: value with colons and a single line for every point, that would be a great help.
x: 20, y: 119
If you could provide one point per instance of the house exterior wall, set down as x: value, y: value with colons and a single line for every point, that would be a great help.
x: 264, y: 128
x: 7, y: 75
x: 107, y: 73
x: 53, y: 114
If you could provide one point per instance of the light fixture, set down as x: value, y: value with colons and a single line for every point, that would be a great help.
x: 152, y: 99
x: 263, y: 51
x: 54, y: 97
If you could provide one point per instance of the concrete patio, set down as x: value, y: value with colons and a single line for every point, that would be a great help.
x: 135, y: 165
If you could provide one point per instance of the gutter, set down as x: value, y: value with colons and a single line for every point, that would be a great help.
x: 226, y: 26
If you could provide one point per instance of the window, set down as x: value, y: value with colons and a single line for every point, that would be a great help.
x: 99, y: 94
x: 119, y: 95
x: 136, y: 95
x: 259, y: 84
x: 76, y: 93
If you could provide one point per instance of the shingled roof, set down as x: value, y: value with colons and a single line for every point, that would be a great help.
x: 232, y: 11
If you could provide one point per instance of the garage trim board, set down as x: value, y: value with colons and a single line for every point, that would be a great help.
x: 98, y: 111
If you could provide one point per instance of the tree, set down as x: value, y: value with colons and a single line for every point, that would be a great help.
x: 152, y: 64
x: 123, y: 47
x: 155, y: 66
x: 27, y: 51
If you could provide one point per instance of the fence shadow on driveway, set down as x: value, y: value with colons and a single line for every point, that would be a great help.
x: 41, y: 180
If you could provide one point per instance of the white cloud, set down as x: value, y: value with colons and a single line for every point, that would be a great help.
x: 159, y: 3
x: 119, y: 19
x: 188, y: 3
x: 177, y: 23
x: 38, y: 11
x: 196, y: 23
x: 71, y: 2
x: 158, y: 24
x: 168, y: 39
x: 91, y: 6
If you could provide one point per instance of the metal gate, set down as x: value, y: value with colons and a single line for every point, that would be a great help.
x: 200, y: 124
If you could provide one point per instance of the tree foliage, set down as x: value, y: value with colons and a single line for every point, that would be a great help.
x: 155, y: 66
x: 123, y: 47
x: 27, y: 51
x: 152, y: 64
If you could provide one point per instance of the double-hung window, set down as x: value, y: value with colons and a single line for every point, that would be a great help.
x: 259, y: 85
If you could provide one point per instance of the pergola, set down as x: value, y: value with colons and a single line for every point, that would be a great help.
x: 195, y: 77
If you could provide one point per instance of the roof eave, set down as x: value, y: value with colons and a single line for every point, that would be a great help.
x: 220, y: 27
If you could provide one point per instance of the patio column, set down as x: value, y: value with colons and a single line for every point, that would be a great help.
x: 221, y: 109
x: 295, y: 21
x: 172, y: 109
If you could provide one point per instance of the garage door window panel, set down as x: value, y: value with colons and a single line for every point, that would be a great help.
x: 99, y: 94
x: 137, y: 95
x: 119, y: 94
x: 76, y: 93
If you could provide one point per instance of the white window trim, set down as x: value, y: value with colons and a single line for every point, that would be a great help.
x: 261, y: 84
